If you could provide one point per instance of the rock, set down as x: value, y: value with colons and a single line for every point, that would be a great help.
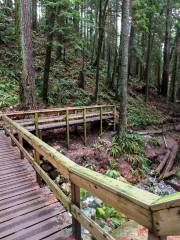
x: 46, y: 167
x: 175, y: 183
x: 66, y: 187
x: 53, y: 174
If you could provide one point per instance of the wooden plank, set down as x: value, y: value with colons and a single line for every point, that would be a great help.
x: 19, y: 199
x: 14, y: 180
x: 27, y: 122
x: 29, y: 219
x: 17, y: 192
x: 8, y: 187
x: 71, y: 123
x: 75, y: 199
x: 43, y: 229
x: 24, y: 208
x: 65, y: 234
x: 14, y: 175
x: 167, y: 222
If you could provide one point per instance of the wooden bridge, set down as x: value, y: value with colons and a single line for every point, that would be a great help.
x: 30, y: 211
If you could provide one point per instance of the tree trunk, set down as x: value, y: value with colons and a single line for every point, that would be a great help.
x: 50, y: 25
x: 165, y: 76
x: 102, y: 20
x: 148, y: 55
x: 125, y: 23
x: 17, y: 25
x: 27, y: 89
x: 8, y: 3
x: 34, y: 14
x: 175, y: 66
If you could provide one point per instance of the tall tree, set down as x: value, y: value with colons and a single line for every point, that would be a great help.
x: 50, y: 32
x: 165, y: 76
x: 34, y: 14
x: 175, y: 63
x: 27, y: 86
x: 102, y: 21
x: 124, y: 50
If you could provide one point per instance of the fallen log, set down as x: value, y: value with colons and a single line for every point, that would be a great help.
x: 170, y: 161
x: 165, y: 129
x: 175, y: 184
x: 169, y: 174
x: 163, y: 160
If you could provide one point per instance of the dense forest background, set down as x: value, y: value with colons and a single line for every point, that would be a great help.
x: 81, y: 52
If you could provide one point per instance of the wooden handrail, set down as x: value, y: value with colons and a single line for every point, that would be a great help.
x: 148, y: 209
x: 56, y: 110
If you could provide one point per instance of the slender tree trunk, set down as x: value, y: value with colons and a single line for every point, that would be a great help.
x: 123, y: 92
x: 8, y: 3
x: 148, y: 56
x: 34, y: 14
x: 27, y: 90
x: 175, y: 65
x: 76, y: 18
x: 159, y: 75
x: 102, y: 20
x: 50, y: 25
x: 165, y: 76
x: 17, y: 24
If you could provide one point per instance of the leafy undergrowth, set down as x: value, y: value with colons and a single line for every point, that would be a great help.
x: 131, y: 147
x: 8, y: 89
x: 141, y: 114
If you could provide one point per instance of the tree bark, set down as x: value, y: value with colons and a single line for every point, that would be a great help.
x: 50, y: 24
x: 165, y: 77
x: 175, y: 66
x: 34, y: 14
x: 123, y: 92
x: 102, y: 20
x: 27, y: 86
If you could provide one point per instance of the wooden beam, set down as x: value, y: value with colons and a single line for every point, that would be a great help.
x: 67, y: 128
x: 75, y: 199
x: 36, y: 124
x: 85, y: 126
x: 101, y: 118
x: 21, y: 143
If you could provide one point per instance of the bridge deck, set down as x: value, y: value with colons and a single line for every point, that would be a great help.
x: 26, y: 210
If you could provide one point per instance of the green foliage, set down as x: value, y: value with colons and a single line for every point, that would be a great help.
x: 113, y: 164
x: 130, y: 144
x: 112, y: 174
x: 8, y: 90
x: 106, y: 213
x: 64, y: 91
x: 140, y: 114
x: 153, y: 141
x: 97, y: 146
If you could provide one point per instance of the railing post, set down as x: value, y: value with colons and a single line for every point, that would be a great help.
x: 85, y: 125
x: 114, y: 118
x: 12, y: 143
x: 75, y: 198
x: 152, y: 236
x: 67, y: 127
x: 21, y: 142
x: 36, y: 123
x: 37, y: 159
x: 101, y: 116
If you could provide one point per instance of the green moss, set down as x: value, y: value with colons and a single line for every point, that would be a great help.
x: 171, y: 197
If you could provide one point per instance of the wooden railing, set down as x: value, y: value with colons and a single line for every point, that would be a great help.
x: 161, y: 215
x: 68, y: 115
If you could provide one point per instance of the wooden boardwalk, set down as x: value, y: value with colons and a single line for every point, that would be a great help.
x: 26, y: 210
